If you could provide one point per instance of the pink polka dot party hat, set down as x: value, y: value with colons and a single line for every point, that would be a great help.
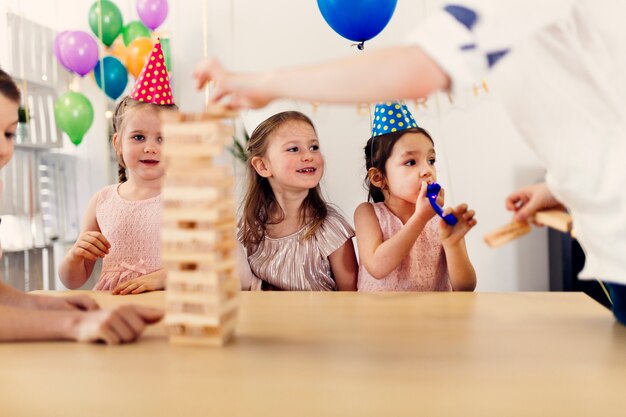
x: 153, y: 83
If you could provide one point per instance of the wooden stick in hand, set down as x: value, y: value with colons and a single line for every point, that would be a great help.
x: 556, y: 219
x: 506, y: 233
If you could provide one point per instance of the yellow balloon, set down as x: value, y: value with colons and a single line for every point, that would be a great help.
x: 138, y: 53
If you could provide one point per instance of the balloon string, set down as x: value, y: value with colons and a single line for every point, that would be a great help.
x: 369, y: 107
x: 30, y: 210
x: 100, y: 53
x: 445, y: 149
x: 22, y: 64
x: 360, y: 46
x: 232, y: 29
x: 205, y: 45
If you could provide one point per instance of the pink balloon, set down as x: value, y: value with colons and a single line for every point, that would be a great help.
x: 152, y: 12
x: 79, y: 51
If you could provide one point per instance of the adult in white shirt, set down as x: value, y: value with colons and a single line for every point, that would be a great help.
x: 561, y: 75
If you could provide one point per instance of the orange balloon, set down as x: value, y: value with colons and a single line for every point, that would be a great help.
x: 138, y: 53
x: 119, y: 50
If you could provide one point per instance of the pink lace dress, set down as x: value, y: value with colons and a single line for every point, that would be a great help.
x: 134, y: 230
x: 425, y: 268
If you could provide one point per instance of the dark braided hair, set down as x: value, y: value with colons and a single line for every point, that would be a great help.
x: 121, y: 173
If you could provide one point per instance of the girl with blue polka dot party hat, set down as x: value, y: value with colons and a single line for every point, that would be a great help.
x: 402, y: 245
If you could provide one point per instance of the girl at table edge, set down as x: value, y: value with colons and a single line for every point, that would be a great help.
x: 28, y: 317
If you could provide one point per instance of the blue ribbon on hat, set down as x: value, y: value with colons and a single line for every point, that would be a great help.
x: 391, y: 116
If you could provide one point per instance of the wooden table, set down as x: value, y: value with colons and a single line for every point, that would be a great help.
x: 340, y: 354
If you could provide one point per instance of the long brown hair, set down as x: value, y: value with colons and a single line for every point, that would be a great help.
x: 377, y: 151
x: 260, y: 207
x: 122, y: 111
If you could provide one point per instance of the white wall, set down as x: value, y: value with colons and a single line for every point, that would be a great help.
x: 480, y: 157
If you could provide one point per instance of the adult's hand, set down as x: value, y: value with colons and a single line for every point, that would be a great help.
x: 121, y: 325
x: 528, y: 200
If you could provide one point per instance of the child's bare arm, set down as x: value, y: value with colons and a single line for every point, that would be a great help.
x: 344, y: 266
x: 380, y: 257
x: 78, y: 263
x: 462, y: 274
x: 149, y: 282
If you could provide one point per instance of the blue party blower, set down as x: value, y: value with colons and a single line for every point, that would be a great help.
x: 432, y: 192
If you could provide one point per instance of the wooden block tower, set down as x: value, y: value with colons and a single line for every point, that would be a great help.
x: 198, y: 230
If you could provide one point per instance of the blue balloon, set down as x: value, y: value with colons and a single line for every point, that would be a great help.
x: 115, y: 76
x: 357, y: 20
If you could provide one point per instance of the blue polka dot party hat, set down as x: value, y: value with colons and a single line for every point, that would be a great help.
x: 391, y: 116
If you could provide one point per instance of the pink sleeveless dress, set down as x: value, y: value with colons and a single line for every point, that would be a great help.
x: 134, y: 230
x: 425, y: 268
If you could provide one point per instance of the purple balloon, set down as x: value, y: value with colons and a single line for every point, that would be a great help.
x: 56, y: 47
x: 152, y: 12
x: 79, y: 51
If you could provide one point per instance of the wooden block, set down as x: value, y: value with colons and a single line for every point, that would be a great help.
x: 200, y: 318
x: 212, y: 112
x: 506, y: 234
x: 172, y: 248
x: 200, y: 212
x: 193, y: 335
x: 219, y: 265
x: 208, y: 258
x: 226, y: 282
x: 219, y: 111
x: 212, y: 215
x: 196, y: 131
x: 200, y: 166
x: 197, y: 188
x: 230, y: 284
x: 191, y: 151
x: 192, y: 193
x: 556, y: 219
x: 209, y: 176
x: 193, y: 235
x: 216, y: 302
x: 217, y: 212
x: 226, y: 226
x: 216, y: 278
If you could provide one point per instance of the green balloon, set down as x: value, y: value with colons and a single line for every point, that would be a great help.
x: 111, y: 21
x: 165, y: 47
x: 74, y: 115
x: 134, y: 30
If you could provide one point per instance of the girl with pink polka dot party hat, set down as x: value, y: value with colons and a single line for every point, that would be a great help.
x: 122, y: 222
